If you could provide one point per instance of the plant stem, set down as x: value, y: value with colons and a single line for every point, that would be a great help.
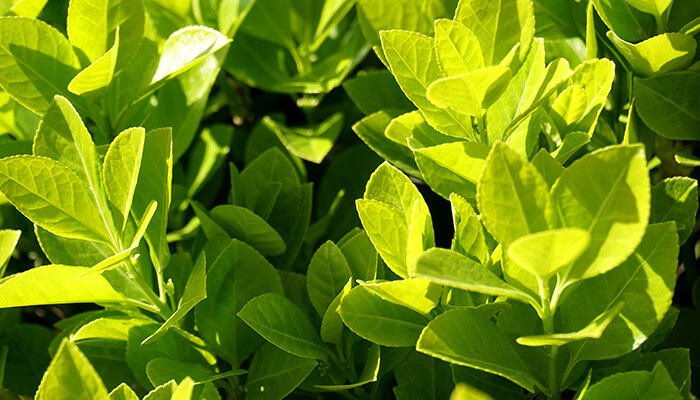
x: 548, y: 324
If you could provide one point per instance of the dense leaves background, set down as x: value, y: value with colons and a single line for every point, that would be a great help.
x: 420, y: 199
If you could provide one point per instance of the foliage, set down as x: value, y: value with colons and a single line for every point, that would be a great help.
x: 186, y: 213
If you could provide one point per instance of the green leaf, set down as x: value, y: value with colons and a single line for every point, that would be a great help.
x: 380, y: 321
x: 195, y: 291
x: 56, y: 284
x: 185, y: 48
x: 544, y: 253
x: 418, y: 294
x: 570, y: 106
x: 499, y: 25
x: 360, y: 255
x: 371, y: 130
x: 71, y: 376
x: 547, y: 166
x: 26, y: 357
x: 668, y: 104
x: 123, y: 392
x: 644, y: 283
x: 458, y: 49
x: 121, y: 168
x: 675, y: 199
x: 657, y: 55
x: 162, y: 392
x: 331, y: 324
x: 449, y: 268
x: 596, y: 77
x: 232, y: 13
x: 326, y: 276
x: 369, y: 373
x: 241, y: 223
x: 524, y: 88
x: 413, y: 62
x: 452, y: 167
x: 72, y: 212
x: 420, y: 377
x: 37, y: 62
x: 172, y: 391
x: 412, y: 130
x: 627, y: 22
x: 274, y: 373
x: 162, y: 370
x: 27, y: 8
x: 175, y: 344
x: 481, y: 382
x: 311, y: 144
x: 207, y: 156
x: 154, y: 183
x: 96, y: 77
x: 396, y: 218
x: 676, y: 361
x: 95, y: 27
x: 469, y: 238
x: 374, y: 91
x: 8, y: 241
x: 654, y: 7
x: 283, y: 324
x: 236, y: 274
x: 594, y: 330
x: 642, y: 385
x: 62, y: 136
x: 378, y: 15
x: 511, y: 196
x: 476, y: 91
x: 482, y: 346
x: 613, y: 207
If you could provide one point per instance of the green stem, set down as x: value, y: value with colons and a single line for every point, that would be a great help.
x: 162, y: 309
x: 548, y: 324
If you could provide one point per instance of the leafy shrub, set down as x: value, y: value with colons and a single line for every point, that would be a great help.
x: 206, y: 227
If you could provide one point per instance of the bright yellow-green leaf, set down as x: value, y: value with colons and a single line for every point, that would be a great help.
x: 594, y: 330
x: 657, y: 55
x: 511, y: 196
x: 570, y: 105
x: 31, y: 42
x: 56, y: 284
x: 391, y: 196
x: 466, y: 337
x: 449, y: 268
x: 52, y: 196
x: 413, y: 62
x: 499, y: 25
x: 8, y: 241
x: 544, y: 253
x: 93, y: 24
x: 653, y: 7
x: 457, y: 48
x: 452, y: 167
x: 416, y: 293
x: 613, y: 207
x: 644, y: 283
x: 96, y: 77
x: 185, y: 48
x: 471, y: 93
x: 121, y: 168
x: 70, y: 376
